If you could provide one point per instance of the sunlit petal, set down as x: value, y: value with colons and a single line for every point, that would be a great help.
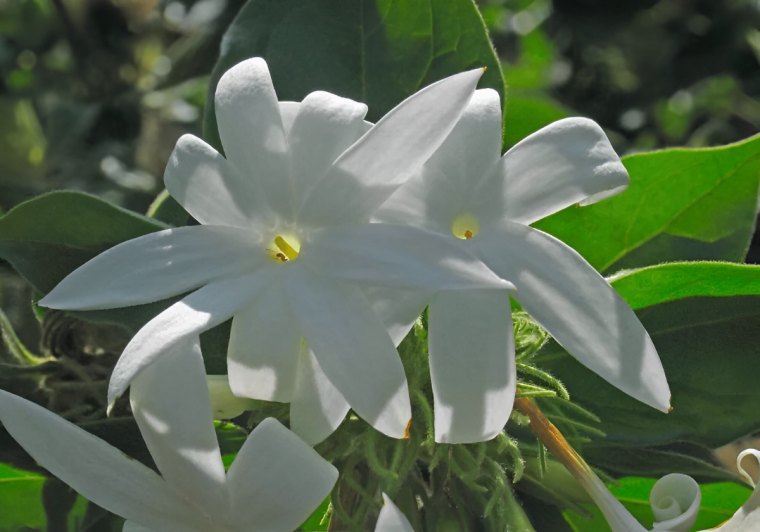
x: 277, y: 480
x: 472, y: 364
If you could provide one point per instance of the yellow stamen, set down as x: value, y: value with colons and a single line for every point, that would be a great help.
x: 465, y: 226
x: 284, y: 248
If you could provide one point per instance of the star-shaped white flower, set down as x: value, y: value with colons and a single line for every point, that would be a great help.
x: 274, y: 483
x: 485, y: 202
x: 284, y: 241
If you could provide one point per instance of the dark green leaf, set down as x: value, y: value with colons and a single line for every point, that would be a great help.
x: 374, y: 51
x: 49, y: 236
x: 682, y: 204
x: 693, y: 460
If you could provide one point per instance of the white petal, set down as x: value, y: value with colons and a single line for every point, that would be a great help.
x: 277, y: 480
x: 325, y: 126
x: 567, y: 162
x: 251, y: 129
x: 398, y: 257
x: 675, y: 500
x: 472, y: 364
x: 171, y: 405
x: 224, y: 404
x: 263, y: 351
x: 317, y: 408
x: 95, y: 469
x: 578, y: 308
x: 391, y: 519
x: 398, y: 309
x: 212, y: 190
x: 446, y: 185
x: 288, y: 112
x: 203, y: 309
x: 353, y: 350
x: 157, y: 266
x: 395, y: 148
x: 617, y: 516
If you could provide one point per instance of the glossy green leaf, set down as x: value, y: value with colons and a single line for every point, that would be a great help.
x: 374, y: 51
x: 719, y: 502
x: 682, y: 204
x: 706, y: 333
x: 20, y: 499
x: 49, y: 236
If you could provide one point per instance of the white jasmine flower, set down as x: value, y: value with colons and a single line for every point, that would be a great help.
x: 285, y: 237
x: 193, y: 493
x: 485, y: 202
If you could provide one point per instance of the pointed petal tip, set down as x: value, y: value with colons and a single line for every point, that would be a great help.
x: 109, y: 409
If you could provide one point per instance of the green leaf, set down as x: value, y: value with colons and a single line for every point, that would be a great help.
x: 698, y: 336
x: 682, y: 204
x: 719, y: 502
x: 527, y: 114
x: 653, y: 285
x: 20, y: 499
x: 374, y: 51
x: 49, y: 236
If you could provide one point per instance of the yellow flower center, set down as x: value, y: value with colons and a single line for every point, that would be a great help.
x: 284, y: 248
x: 465, y: 226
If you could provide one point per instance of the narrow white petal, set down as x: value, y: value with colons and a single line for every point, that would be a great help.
x: 95, y: 469
x: 170, y: 402
x: 224, y: 404
x: 353, y: 349
x: 398, y: 257
x: 617, y: 516
x: 277, y: 480
x: 203, y: 309
x: 391, y: 519
x: 472, y: 364
x: 251, y: 129
x: 157, y: 266
x: 567, y: 162
x: 447, y: 184
x: 263, y: 351
x: 747, y: 517
x: 675, y: 500
x: 325, y: 126
x: 578, y: 308
x: 395, y: 148
x: 317, y: 408
x: 212, y: 190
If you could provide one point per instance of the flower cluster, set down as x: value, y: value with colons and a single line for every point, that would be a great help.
x: 324, y: 236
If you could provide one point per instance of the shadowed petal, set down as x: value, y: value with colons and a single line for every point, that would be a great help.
x: 262, y: 355
x: 578, y: 308
x: 203, y: 309
x: 318, y: 408
x: 323, y: 128
x: 353, y: 349
x: 157, y: 266
x: 277, y: 480
x: 398, y: 257
x: 170, y: 402
x: 567, y: 162
x: 95, y: 469
x: 212, y: 190
x: 472, y: 364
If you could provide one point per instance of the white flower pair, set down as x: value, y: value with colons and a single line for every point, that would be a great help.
x: 325, y: 236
